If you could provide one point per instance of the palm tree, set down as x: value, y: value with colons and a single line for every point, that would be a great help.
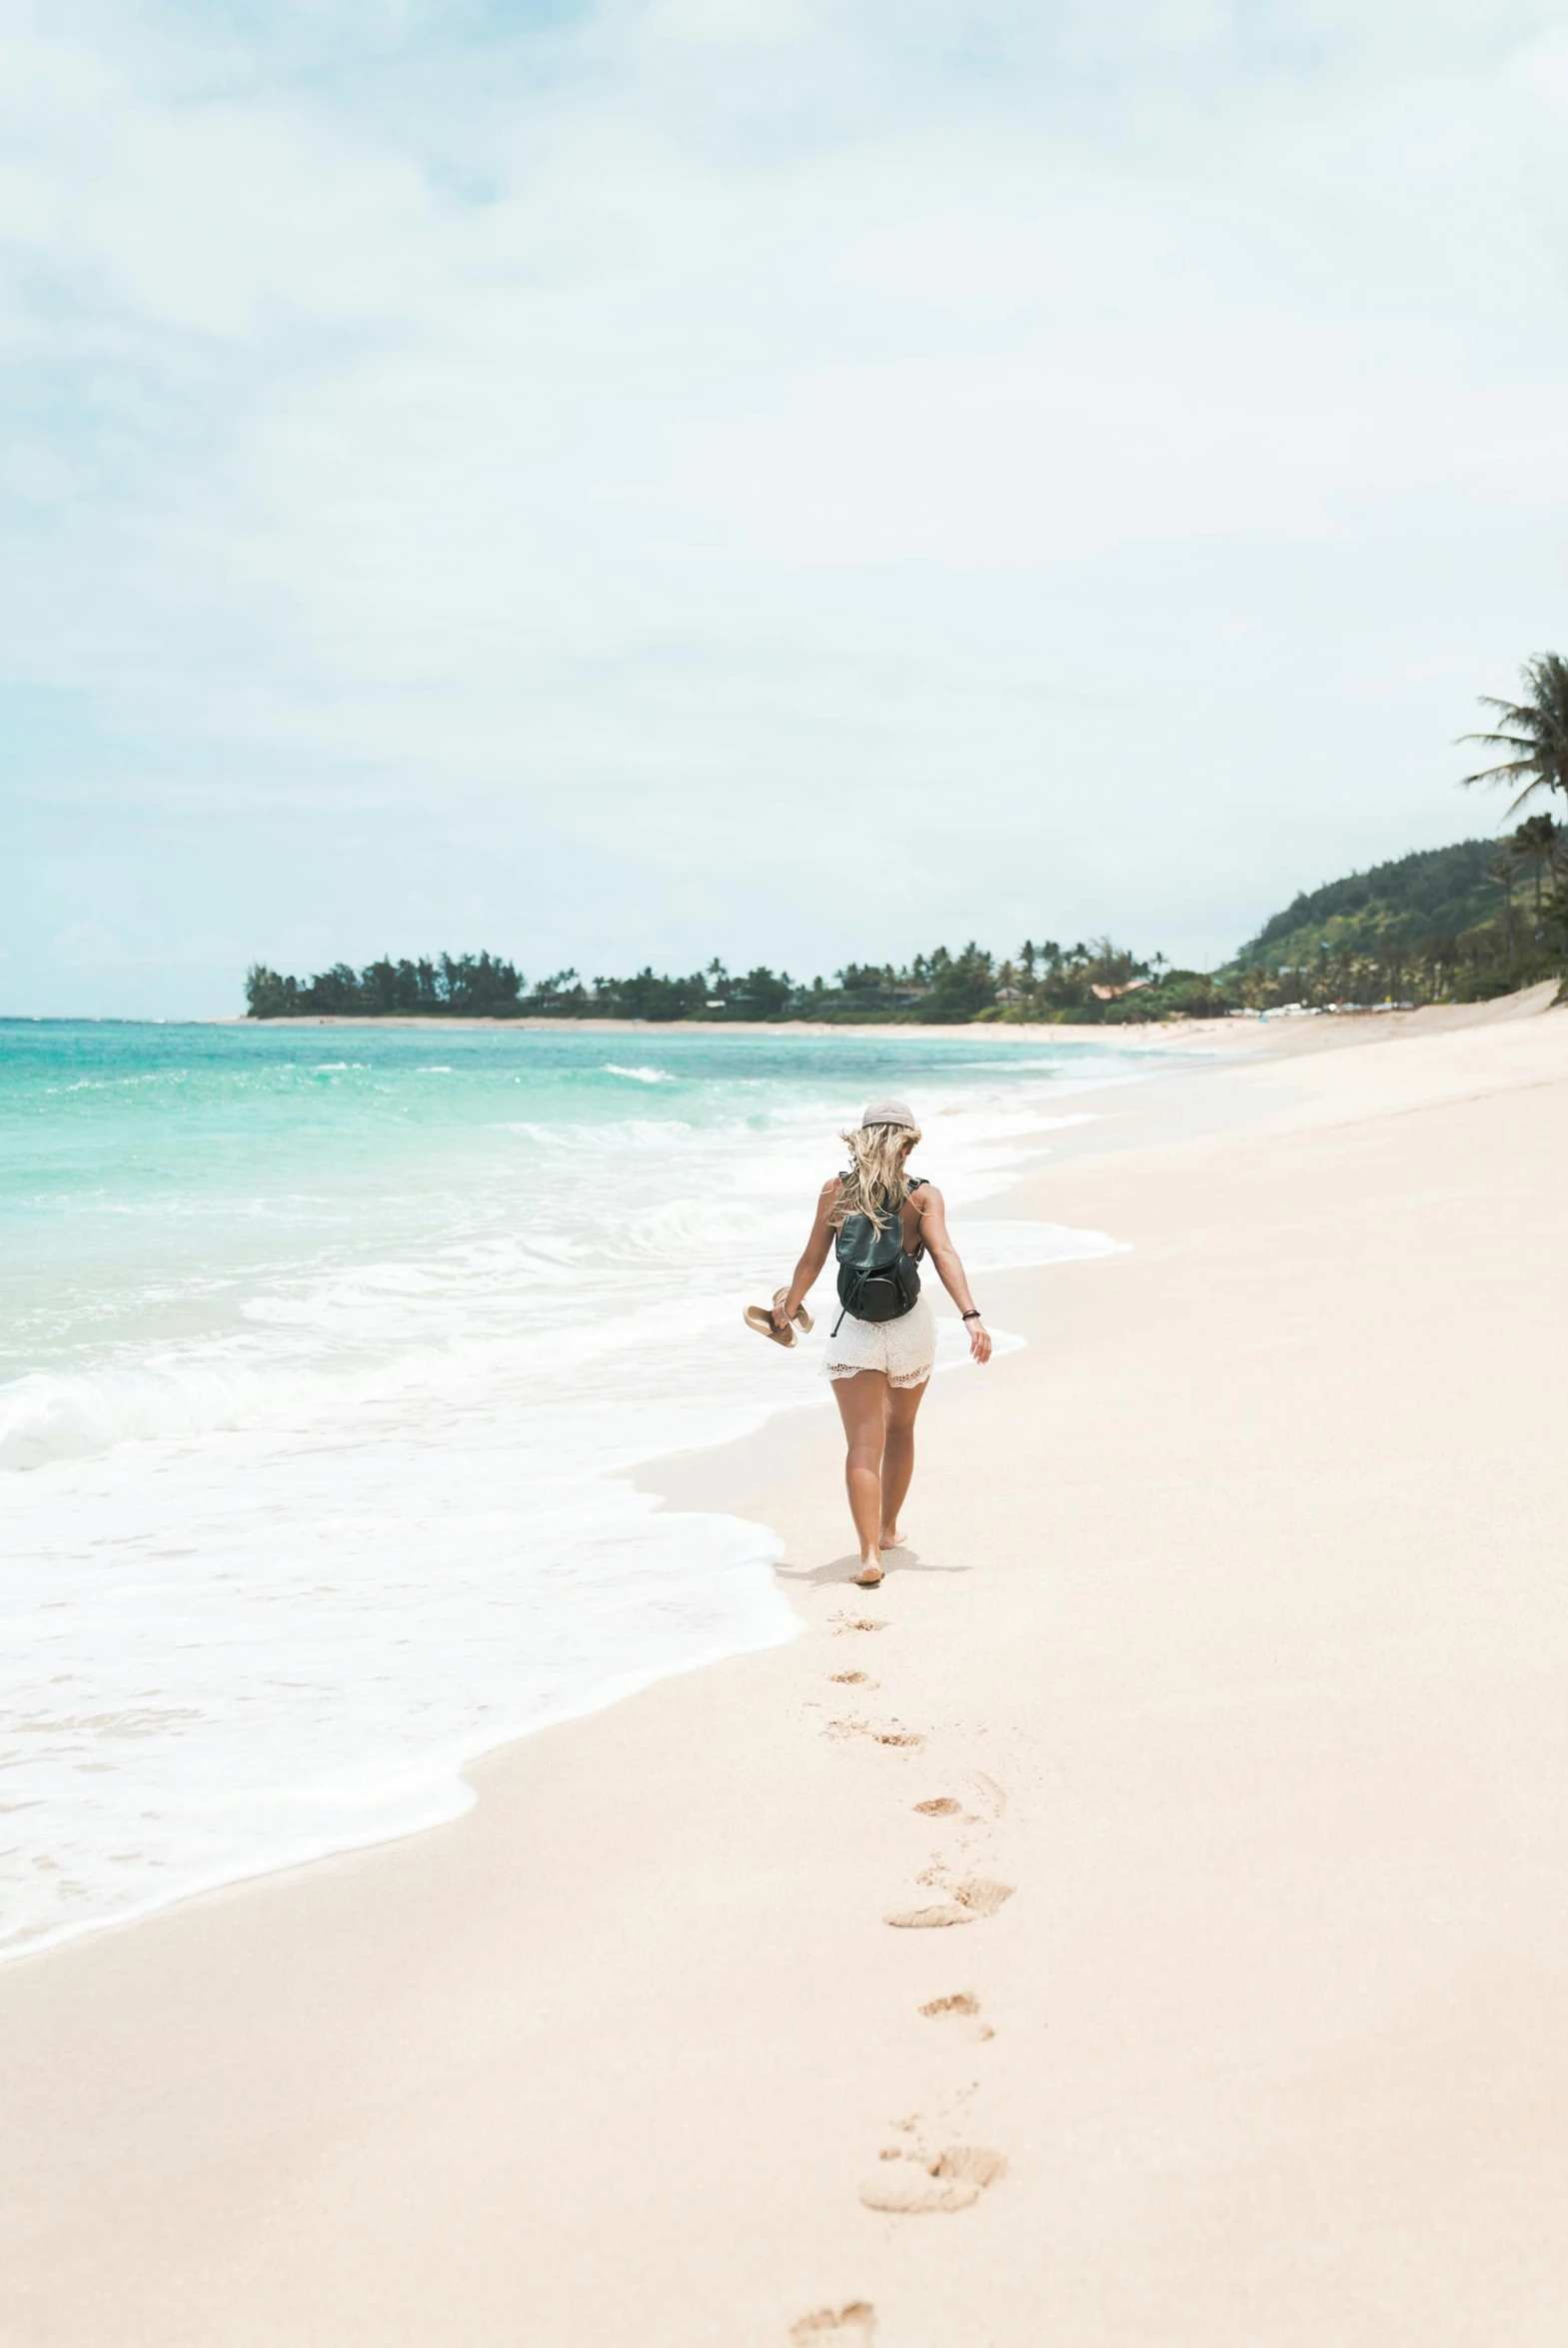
x: 1534, y: 733
x: 1505, y: 868
x: 1540, y: 845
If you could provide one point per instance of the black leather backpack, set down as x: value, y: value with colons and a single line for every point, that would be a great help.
x: 876, y: 1280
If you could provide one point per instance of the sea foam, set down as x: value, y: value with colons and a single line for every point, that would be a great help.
x: 316, y: 1437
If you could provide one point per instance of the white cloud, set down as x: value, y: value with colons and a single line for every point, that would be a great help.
x: 1119, y: 441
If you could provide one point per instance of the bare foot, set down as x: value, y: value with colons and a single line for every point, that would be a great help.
x: 871, y: 1574
x: 891, y: 1538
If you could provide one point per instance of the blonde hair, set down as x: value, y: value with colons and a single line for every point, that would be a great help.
x: 876, y: 1184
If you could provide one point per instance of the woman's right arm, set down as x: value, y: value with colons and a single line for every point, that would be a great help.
x: 813, y: 1255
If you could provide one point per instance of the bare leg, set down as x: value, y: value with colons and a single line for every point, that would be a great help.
x: 897, y: 1458
x: 862, y: 1405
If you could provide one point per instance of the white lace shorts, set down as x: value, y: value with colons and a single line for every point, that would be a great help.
x: 904, y: 1349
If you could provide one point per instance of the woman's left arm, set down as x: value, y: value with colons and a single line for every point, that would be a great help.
x: 942, y: 1252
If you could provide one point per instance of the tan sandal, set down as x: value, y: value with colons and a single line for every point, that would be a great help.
x: 759, y: 1317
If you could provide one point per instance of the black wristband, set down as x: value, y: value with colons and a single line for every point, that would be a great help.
x: 976, y: 1315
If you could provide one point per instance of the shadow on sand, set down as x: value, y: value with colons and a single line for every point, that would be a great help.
x: 843, y: 1569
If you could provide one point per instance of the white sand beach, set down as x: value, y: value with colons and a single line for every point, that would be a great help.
x: 1141, y: 1921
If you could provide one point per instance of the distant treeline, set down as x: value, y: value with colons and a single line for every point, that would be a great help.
x: 1096, y: 981
x: 1445, y: 925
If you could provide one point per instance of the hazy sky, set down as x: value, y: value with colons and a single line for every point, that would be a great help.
x: 630, y: 481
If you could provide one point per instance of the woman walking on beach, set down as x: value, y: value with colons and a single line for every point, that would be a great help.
x: 883, y: 1342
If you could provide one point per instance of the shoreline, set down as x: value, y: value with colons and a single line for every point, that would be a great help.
x: 1024, y: 1032
x: 1268, y: 1031
x: 1264, y: 1032
x: 439, y: 1788
x: 418, y: 2059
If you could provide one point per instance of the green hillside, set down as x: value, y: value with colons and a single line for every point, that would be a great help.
x: 1436, y: 892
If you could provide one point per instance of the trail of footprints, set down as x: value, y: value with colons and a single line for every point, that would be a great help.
x: 913, y: 2178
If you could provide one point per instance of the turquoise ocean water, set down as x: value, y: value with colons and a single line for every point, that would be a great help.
x: 324, y: 1352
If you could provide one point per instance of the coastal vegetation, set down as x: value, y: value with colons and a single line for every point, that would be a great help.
x: 1094, y: 980
x: 1457, y: 924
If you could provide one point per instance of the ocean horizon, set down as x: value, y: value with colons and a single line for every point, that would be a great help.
x: 323, y: 1369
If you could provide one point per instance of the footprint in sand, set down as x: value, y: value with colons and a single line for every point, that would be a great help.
x: 970, y: 1903
x: 856, y: 1622
x: 854, y: 2326
x: 918, y: 1919
x: 942, y: 1807
x: 983, y: 1895
x: 962, y: 2008
x: 910, y: 2185
x: 894, y: 1736
x: 991, y: 1793
x: 850, y: 1679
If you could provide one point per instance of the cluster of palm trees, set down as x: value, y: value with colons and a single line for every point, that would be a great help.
x: 1468, y: 969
